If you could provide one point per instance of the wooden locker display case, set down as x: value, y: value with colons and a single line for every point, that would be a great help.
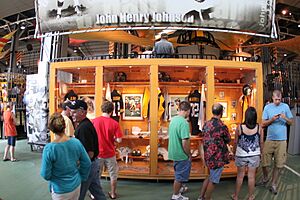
x: 175, y: 78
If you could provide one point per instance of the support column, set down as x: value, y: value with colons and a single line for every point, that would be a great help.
x: 153, y: 119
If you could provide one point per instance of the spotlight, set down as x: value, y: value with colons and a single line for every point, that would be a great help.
x: 284, y: 12
x: 23, y: 26
x: 285, y: 55
x: 298, y: 25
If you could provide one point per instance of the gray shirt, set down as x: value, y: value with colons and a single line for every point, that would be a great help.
x: 163, y: 49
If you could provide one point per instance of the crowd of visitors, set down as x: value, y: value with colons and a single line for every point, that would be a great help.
x: 73, y: 164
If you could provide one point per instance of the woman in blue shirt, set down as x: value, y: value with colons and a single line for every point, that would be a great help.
x: 65, y: 163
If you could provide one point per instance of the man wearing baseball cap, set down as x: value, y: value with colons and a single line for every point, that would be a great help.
x: 86, y: 133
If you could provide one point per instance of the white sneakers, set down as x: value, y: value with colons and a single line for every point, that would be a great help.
x: 179, y: 197
x: 183, y: 189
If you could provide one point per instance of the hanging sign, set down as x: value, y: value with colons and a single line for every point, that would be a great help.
x: 239, y: 15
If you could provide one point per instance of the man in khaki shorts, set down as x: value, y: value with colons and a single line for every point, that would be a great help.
x: 109, y: 132
x: 275, y: 115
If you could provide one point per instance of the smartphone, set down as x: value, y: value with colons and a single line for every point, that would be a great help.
x: 278, y: 115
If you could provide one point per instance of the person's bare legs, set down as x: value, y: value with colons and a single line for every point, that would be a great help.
x: 6, y: 152
x: 251, y: 182
x: 209, y: 190
x: 275, y: 176
x: 239, y: 182
x: 12, y: 153
x: 176, y: 187
x: 265, y: 173
x: 204, y: 187
x: 113, y: 187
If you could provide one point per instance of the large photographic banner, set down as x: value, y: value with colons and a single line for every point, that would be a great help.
x: 241, y: 15
x: 36, y: 100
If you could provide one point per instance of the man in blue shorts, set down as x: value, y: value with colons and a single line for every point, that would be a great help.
x: 179, y: 148
x: 216, y: 155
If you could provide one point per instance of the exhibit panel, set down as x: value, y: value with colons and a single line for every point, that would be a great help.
x: 128, y: 88
x: 146, y: 92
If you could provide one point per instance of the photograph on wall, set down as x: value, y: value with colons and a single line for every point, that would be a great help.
x: 132, y: 106
x: 90, y: 101
x: 225, y: 109
x: 173, y: 105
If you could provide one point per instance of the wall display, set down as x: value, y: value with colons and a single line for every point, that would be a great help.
x: 132, y: 106
x: 221, y: 95
x: 233, y: 103
x: 225, y: 109
x: 90, y: 101
x: 174, y: 101
x: 36, y: 100
x: 252, y: 16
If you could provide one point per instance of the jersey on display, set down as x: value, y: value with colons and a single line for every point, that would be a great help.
x: 118, y: 105
x: 71, y: 96
x: 194, y: 99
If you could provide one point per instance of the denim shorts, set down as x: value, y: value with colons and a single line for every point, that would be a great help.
x: 250, y: 161
x: 215, y: 175
x: 11, y: 140
x: 182, y: 170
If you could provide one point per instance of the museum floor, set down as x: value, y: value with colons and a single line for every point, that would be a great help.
x: 21, y: 181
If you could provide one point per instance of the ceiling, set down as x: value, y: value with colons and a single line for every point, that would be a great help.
x: 12, y: 11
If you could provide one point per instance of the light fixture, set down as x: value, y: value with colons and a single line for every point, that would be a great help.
x: 186, y: 66
x: 284, y: 12
x: 23, y: 26
x: 285, y: 55
x: 298, y: 25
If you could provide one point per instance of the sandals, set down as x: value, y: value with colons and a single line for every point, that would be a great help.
x: 233, y: 197
x: 5, y: 159
x: 14, y: 160
x: 110, y: 196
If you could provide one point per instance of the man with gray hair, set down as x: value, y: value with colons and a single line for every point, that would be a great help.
x: 275, y: 116
x: 216, y: 155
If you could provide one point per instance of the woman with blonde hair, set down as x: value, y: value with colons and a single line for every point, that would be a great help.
x: 65, y: 163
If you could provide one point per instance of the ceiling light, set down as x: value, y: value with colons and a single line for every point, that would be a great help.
x: 285, y: 55
x: 23, y: 26
x: 284, y: 12
x: 298, y: 25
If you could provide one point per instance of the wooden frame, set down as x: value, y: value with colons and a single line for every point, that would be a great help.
x: 225, y: 108
x: 132, y: 106
x: 154, y: 64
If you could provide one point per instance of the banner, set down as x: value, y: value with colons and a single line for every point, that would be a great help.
x: 36, y: 100
x: 4, y: 40
x: 240, y: 15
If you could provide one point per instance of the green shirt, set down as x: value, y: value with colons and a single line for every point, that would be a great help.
x: 178, y: 129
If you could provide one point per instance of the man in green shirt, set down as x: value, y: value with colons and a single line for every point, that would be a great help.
x: 179, y: 148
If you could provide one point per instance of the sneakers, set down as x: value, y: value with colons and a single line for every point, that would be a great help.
x: 179, y: 197
x: 273, y: 189
x: 262, y: 182
x: 183, y: 189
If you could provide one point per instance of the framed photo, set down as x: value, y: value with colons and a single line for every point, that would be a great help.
x: 233, y: 104
x: 132, y: 106
x: 174, y: 101
x: 225, y: 108
x: 90, y: 101
x: 221, y: 95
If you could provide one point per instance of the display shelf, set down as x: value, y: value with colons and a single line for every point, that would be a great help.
x: 229, y: 85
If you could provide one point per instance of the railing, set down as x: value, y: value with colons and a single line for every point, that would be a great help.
x: 151, y: 56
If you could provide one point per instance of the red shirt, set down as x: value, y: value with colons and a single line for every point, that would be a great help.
x: 9, y: 124
x: 107, y: 130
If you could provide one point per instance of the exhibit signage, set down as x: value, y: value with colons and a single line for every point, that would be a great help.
x: 239, y: 15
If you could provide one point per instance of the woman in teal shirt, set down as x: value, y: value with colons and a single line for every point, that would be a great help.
x: 65, y: 163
